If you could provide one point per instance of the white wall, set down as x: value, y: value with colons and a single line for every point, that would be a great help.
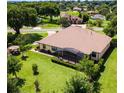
x: 99, y: 55
x: 104, y: 50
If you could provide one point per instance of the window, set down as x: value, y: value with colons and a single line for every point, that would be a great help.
x: 44, y: 46
x: 54, y: 48
x: 93, y: 54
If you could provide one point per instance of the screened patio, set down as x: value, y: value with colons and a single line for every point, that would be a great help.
x: 69, y: 54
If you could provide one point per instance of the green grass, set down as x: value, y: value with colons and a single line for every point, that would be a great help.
x: 105, y: 23
x: 45, y: 23
x: 108, y: 78
x: 50, y: 25
x: 51, y: 76
x: 73, y: 13
x: 42, y: 34
x: 101, y: 32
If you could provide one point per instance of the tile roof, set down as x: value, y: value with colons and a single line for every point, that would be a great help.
x: 78, y: 38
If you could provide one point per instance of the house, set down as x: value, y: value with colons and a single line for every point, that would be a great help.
x: 72, y: 19
x: 98, y: 16
x: 77, y: 9
x: 75, y: 20
x: 73, y: 42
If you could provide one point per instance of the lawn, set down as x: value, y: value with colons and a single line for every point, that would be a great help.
x: 73, y: 13
x: 45, y: 22
x: 51, y: 76
x: 108, y: 78
x: 50, y: 25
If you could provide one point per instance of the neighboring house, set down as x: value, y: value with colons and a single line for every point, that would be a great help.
x: 98, y: 16
x: 72, y: 19
x: 76, y: 41
x: 77, y: 9
x: 84, y: 8
x: 75, y: 20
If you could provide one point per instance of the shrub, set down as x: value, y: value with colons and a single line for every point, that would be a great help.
x: 10, y: 38
x: 65, y: 22
x: 80, y: 15
x: 25, y: 47
x: 24, y: 39
x: 60, y: 61
x: 36, y: 83
x: 79, y: 84
x: 85, y: 17
x: 99, y: 22
x: 12, y: 86
x: 101, y: 63
x: 92, y: 23
x: 114, y: 42
x: 20, y: 82
x: 35, y: 69
x: 111, y: 28
x: 89, y: 68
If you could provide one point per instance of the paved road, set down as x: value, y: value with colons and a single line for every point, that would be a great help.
x: 36, y: 30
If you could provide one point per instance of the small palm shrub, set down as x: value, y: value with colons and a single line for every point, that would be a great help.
x: 35, y: 69
x: 36, y: 83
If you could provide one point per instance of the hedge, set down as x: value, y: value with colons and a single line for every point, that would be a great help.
x: 114, y: 42
x: 65, y: 63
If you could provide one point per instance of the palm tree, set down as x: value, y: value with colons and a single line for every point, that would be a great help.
x: 78, y: 84
x: 13, y: 65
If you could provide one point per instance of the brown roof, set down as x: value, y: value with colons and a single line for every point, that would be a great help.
x: 78, y: 38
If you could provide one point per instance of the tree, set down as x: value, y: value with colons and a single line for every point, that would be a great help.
x: 10, y: 38
x: 19, y: 17
x: 24, y: 48
x: 65, y: 22
x: 30, y: 16
x: 90, y: 7
x: 13, y: 65
x: 35, y: 69
x: 78, y: 84
x: 111, y: 29
x: 49, y: 9
x: 104, y: 11
x: 12, y: 86
x: 15, y: 18
x: 89, y: 68
x: 80, y: 15
x: 99, y: 22
x: 85, y: 17
x: 110, y: 16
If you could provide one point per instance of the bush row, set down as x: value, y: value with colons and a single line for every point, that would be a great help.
x: 60, y: 61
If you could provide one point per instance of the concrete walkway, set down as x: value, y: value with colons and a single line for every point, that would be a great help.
x: 41, y: 53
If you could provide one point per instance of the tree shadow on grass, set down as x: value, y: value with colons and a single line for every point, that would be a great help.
x: 36, y: 73
x: 24, y: 58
